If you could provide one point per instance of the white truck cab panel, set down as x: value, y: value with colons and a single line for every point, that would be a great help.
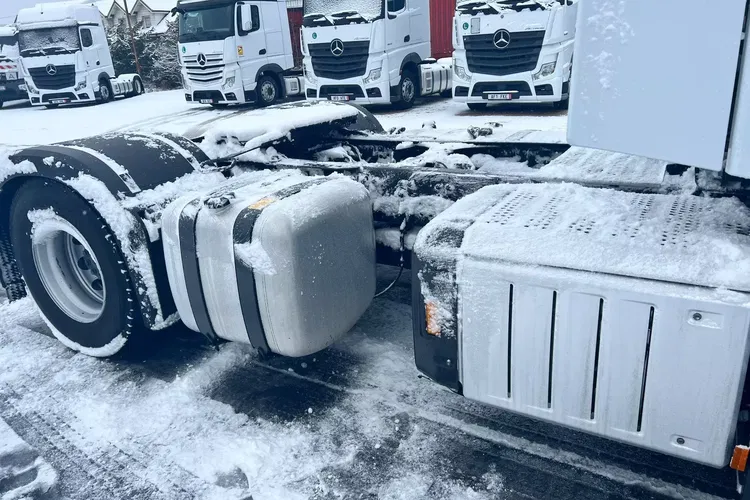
x: 656, y: 79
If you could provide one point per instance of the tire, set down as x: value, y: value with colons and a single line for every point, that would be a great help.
x: 477, y: 106
x: 408, y: 89
x: 73, y: 271
x: 268, y: 91
x: 138, y: 88
x: 105, y: 90
x: 561, y: 105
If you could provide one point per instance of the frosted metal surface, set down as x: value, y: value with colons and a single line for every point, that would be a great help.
x: 656, y: 79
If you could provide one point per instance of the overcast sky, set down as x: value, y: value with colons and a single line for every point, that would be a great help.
x: 9, y: 8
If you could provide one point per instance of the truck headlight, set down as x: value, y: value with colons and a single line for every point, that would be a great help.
x: 31, y: 89
x: 229, y: 82
x: 309, y: 75
x: 80, y: 86
x: 461, y: 72
x: 374, y: 75
x: 545, y: 71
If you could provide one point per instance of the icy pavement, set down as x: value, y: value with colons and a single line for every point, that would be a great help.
x: 168, y: 112
x: 355, y: 421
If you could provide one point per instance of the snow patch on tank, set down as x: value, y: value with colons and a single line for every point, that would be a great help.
x: 255, y: 257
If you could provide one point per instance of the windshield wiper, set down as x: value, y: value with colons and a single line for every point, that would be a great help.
x: 348, y: 15
x: 317, y: 17
x: 57, y: 49
x: 32, y: 52
x: 478, y: 5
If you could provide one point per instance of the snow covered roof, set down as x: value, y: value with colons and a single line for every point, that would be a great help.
x: 106, y: 6
x: 57, y: 14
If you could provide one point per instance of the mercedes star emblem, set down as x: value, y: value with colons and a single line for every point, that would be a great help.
x: 337, y: 47
x: 51, y: 70
x: 501, y: 40
x: 202, y: 59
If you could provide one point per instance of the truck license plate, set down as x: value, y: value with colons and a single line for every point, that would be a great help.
x: 340, y: 97
x: 500, y: 96
x: 58, y: 101
x: 207, y: 101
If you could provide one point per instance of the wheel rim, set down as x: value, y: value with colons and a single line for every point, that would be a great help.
x: 105, y: 92
x: 268, y: 92
x: 68, y: 270
x: 407, y: 90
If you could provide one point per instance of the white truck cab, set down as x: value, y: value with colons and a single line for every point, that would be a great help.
x: 236, y: 52
x: 517, y: 51
x: 12, y: 86
x: 370, y: 51
x: 66, y: 58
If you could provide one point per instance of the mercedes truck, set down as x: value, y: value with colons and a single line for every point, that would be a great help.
x: 65, y: 56
x: 12, y: 86
x: 371, y: 52
x: 236, y: 52
x: 513, y: 51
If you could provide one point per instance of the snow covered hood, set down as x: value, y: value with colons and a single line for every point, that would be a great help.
x: 678, y: 239
x: 260, y: 126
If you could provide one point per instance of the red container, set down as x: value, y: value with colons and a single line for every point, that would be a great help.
x: 295, y: 24
x: 441, y: 27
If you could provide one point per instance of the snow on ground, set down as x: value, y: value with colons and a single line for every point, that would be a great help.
x: 168, y: 112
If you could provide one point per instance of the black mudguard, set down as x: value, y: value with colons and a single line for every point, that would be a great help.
x: 125, y: 164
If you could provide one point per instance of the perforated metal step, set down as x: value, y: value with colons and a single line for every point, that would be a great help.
x: 682, y: 239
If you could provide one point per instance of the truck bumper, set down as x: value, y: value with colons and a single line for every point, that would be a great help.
x: 11, y: 90
x: 522, y: 86
x: 233, y: 95
x: 374, y: 93
x: 64, y: 96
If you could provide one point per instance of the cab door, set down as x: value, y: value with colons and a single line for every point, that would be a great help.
x: 397, y: 36
x: 89, y: 51
x: 252, y: 49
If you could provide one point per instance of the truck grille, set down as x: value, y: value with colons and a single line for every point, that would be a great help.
x: 522, y: 54
x: 211, y: 71
x: 64, y: 77
x: 351, y: 63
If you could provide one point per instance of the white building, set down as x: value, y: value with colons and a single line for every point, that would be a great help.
x: 148, y: 13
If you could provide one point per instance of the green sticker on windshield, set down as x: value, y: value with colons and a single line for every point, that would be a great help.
x: 184, y: 49
x: 315, y: 35
x: 466, y: 26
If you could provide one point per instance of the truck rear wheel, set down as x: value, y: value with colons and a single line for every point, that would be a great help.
x: 137, y: 87
x: 73, y: 269
x: 407, y: 88
x: 268, y: 91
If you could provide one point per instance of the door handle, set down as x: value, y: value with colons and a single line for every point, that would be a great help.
x: 262, y: 51
x: 407, y: 38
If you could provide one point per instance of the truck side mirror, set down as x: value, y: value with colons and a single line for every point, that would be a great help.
x: 246, y: 18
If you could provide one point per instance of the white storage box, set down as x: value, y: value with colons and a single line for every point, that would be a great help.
x: 605, y: 311
x: 275, y: 259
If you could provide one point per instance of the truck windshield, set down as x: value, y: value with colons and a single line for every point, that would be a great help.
x: 335, y: 12
x: 493, y: 6
x: 216, y: 23
x: 46, y: 41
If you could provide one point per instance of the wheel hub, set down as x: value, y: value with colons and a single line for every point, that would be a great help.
x: 268, y: 92
x: 68, y: 269
x: 407, y: 90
